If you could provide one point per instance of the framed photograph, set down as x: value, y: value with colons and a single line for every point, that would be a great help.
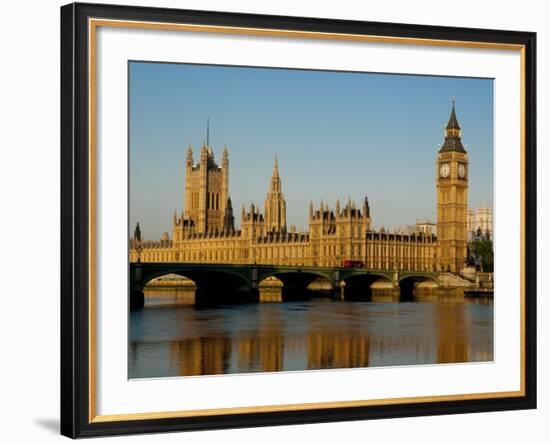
x: 274, y: 220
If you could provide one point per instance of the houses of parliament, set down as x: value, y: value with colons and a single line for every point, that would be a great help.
x: 205, y: 231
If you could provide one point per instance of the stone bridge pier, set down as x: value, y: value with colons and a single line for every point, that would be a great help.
x: 137, y: 297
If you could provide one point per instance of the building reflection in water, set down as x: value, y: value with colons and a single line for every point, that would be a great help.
x: 201, y: 355
x: 327, y: 350
x: 263, y: 350
x: 452, y: 333
x: 314, y: 334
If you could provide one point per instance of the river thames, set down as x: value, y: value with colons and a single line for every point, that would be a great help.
x: 168, y: 338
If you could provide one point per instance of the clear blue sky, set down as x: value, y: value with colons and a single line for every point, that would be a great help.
x: 335, y: 134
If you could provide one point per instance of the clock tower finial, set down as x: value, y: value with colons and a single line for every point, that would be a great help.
x: 453, y: 133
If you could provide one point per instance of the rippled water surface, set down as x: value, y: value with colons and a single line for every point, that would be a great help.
x: 169, y: 339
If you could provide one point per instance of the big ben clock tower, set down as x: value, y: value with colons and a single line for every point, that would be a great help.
x: 452, y: 198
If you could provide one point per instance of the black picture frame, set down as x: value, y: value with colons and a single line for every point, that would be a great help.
x: 75, y: 219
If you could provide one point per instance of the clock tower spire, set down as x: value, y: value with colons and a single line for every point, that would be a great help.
x: 452, y: 198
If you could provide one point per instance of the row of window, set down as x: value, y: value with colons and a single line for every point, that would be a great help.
x: 377, y: 262
x: 423, y: 264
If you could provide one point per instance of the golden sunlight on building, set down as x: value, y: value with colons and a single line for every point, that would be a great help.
x: 341, y: 236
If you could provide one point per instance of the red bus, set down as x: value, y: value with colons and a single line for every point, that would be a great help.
x: 349, y: 264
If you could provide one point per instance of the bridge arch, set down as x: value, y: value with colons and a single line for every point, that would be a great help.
x: 360, y: 286
x: 167, y: 278
x: 284, y: 272
x: 212, y: 285
x: 172, y: 288
x: 193, y: 273
x: 413, y: 285
x: 297, y: 283
x: 150, y: 276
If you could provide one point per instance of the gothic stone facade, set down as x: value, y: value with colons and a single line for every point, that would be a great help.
x: 480, y: 223
x: 205, y: 231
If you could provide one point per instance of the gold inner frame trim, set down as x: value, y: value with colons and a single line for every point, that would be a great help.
x: 93, y: 24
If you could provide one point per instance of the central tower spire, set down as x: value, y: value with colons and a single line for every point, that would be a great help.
x: 275, y: 204
x: 275, y: 185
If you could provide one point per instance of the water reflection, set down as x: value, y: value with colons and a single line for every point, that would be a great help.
x: 169, y: 338
x: 327, y: 350
x: 201, y: 355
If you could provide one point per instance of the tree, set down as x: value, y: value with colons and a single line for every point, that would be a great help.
x: 482, y: 252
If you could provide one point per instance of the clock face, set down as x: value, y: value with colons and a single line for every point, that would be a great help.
x: 445, y: 170
x: 461, y: 170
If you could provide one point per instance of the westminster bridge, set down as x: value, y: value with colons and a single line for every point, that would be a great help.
x: 230, y: 282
